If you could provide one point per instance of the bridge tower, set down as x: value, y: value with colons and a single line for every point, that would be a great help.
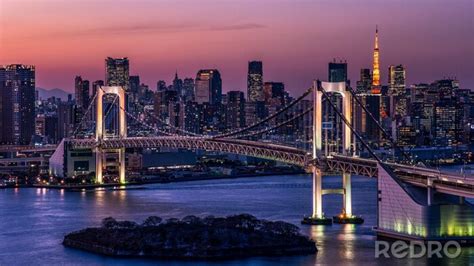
x: 99, y: 131
x: 343, y: 89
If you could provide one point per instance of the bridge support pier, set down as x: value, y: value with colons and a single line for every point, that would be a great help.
x: 98, y: 166
x: 99, y: 131
x: 122, y: 166
x: 317, y: 218
x: 346, y: 184
x: 317, y: 194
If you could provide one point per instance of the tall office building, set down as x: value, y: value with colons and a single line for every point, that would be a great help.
x: 337, y: 71
x: 274, y: 93
x: 81, y: 92
x: 235, y: 111
x: 208, y: 87
x: 117, y: 72
x: 188, y: 89
x: 376, y: 87
x: 255, y: 81
x: 161, y: 85
x: 396, y: 80
x: 178, y: 85
x: 365, y: 81
x: 17, y: 107
x: 397, y: 92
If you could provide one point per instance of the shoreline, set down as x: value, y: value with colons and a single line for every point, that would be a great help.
x: 147, y: 182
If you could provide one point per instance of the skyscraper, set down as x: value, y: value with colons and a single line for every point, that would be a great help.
x: 208, y: 86
x: 161, y: 85
x: 178, y: 85
x: 117, y: 72
x: 17, y: 108
x: 274, y: 93
x: 396, y: 80
x: 255, y: 81
x: 134, y: 87
x: 365, y: 81
x: 337, y: 71
x: 81, y: 92
x: 376, y: 89
x: 235, y: 111
x: 188, y: 89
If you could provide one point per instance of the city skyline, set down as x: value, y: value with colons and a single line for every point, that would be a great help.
x: 284, y: 40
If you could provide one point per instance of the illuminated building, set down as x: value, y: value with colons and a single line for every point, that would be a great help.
x: 396, y: 80
x: 81, y: 92
x: 188, y: 89
x: 365, y: 81
x: 17, y: 104
x: 161, y: 85
x: 274, y: 93
x: 337, y: 71
x: 255, y: 81
x: 235, y: 110
x: 117, y: 72
x: 178, y: 85
x: 134, y: 83
x: 208, y: 86
x: 376, y: 66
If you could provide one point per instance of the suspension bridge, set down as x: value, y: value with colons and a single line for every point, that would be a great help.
x: 413, y: 201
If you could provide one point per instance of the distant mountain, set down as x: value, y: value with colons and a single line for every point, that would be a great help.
x: 58, y: 93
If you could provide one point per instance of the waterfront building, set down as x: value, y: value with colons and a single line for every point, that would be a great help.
x: 17, y: 104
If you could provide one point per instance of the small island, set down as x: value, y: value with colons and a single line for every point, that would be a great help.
x: 193, y: 238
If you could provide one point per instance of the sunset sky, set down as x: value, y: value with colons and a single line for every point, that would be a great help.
x: 294, y: 39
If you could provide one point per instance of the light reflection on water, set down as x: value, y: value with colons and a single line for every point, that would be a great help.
x: 34, y: 221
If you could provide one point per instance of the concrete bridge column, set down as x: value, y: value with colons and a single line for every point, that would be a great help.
x: 122, y: 165
x: 346, y: 184
x: 317, y: 194
x: 98, y: 165
x: 429, y: 190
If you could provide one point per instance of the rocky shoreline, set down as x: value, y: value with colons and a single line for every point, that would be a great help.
x: 193, y: 238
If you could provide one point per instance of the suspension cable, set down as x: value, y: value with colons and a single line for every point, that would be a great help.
x: 276, y: 126
x: 350, y: 126
x: 384, y: 132
x: 173, y: 127
x: 91, y: 103
x: 145, y: 124
x: 267, y: 118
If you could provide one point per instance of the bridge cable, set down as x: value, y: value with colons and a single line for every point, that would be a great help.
x: 146, y: 125
x: 263, y: 131
x: 91, y: 103
x: 284, y: 109
x: 384, y: 132
x: 359, y: 137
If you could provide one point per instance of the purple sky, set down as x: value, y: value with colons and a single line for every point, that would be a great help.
x: 295, y: 39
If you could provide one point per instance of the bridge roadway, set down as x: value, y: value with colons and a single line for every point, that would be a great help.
x: 236, y: 146
x: 449, y: 183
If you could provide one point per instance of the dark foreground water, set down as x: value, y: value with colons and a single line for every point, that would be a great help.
x: 34, y: 221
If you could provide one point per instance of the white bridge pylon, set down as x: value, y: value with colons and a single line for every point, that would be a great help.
x: 99, y: 131
x: 343, y: 89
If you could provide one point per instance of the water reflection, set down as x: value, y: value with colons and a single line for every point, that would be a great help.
x: 45, y: 216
